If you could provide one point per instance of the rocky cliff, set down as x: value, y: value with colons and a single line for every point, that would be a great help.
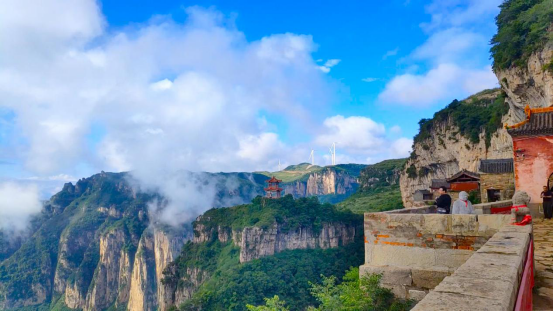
x: 454, y: 140
x: 95, y: 250
x: 261, y: 229
x: 531, y: 84
x: 95, y: 246
x: 522, y: 51
x: 328, y: 183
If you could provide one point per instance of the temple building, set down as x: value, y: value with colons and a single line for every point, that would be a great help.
x: 273, y: 190
x: 497, y: 179
x: 533, y: 151
x: 464, y: 180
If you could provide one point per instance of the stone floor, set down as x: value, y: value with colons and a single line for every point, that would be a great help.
x: 543, y: 240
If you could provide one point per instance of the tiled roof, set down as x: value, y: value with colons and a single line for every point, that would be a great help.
x: 462, y: 172
x: 539, y: 121
x: 437, y: 183
x: 496, y: 165
x: 423, y: 192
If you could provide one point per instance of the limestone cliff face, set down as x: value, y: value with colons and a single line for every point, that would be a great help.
x: 156, y: 250
x: 328, y: 181
x: 529, y: 85
x: 113, y: 274
x: 446, y: 152
x: 254, y: 243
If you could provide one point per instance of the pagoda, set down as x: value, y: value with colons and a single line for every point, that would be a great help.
x: 273, y: 190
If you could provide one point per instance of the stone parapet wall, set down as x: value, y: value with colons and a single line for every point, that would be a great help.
x: 414, y: 252
x: 484, y: 208
x: 487, y: 281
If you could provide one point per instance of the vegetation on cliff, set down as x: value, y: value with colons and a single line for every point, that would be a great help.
x: 290, y: 213
x: 353, y: 294
x: 480, y: 113
x: 301, y: 172
x: 288, y: 274
x: 523, y: 27
x: 378, y: 188
x: 72, y: 217
x: 230, y: 285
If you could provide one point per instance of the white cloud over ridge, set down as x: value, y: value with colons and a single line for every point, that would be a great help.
x: 161, y: 99
x: 18, y: 203
x: 459, y: 32
x: 167, y: 96
x: 437, y: 84
x: 362, y: 139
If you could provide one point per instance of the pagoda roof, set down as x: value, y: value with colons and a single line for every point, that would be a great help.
x: 274, y: 180
x: 539, y: 121
x: 273, y: 188
x: 463, y: 172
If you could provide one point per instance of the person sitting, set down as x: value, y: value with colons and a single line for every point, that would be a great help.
x: 443, y: 203
x: 463, y: 204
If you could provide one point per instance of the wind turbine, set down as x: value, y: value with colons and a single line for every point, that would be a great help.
x: 333, y: 153
x: 312, y: 157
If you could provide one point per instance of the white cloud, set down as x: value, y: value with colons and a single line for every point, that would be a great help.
x: 18, y: 203
x: 395, y: 129
x: 369, y: 79
x: 168, y: 96
x: 59, y: 177
x: 361, y: 140
x: 162, y: 85
x: 260, y: 147
x: 439, y: 84
x: 459, y: 13
x: 328, y: 65
x: 390, y: 53
x: 402, y: 147
x: 452, y: 62
x: 449, y: 45
x: 353, y: 133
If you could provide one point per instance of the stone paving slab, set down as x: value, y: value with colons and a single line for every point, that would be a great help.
x: 440, y: 301
x: 543, y: 249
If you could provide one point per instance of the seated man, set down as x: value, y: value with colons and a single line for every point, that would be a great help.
x: 463, y: 204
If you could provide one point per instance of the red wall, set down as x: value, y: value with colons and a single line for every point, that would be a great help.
x: 533, y: 170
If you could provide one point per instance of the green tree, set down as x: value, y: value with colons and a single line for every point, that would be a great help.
x: 271, y: 304
x: 356, y: 294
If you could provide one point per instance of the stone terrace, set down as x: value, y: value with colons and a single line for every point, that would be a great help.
x: 447, y: 262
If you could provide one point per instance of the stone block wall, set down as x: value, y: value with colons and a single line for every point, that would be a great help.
x: 414, y: 252
x: 505, y: 182
x: 487, y: 281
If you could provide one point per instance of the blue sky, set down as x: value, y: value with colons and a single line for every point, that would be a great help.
x: 373, y: 39
x: 160, y: 86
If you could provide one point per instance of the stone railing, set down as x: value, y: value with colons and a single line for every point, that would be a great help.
x: 414, y: 252
x: 448, y: 262
x: 485, y: 208
x: 489, y: 280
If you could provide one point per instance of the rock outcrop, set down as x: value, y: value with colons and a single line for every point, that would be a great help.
x: 447, y: 152
x: 529, y: 85
x: 156, y: 250
x: 253, y: 243
x: 325, y: 182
